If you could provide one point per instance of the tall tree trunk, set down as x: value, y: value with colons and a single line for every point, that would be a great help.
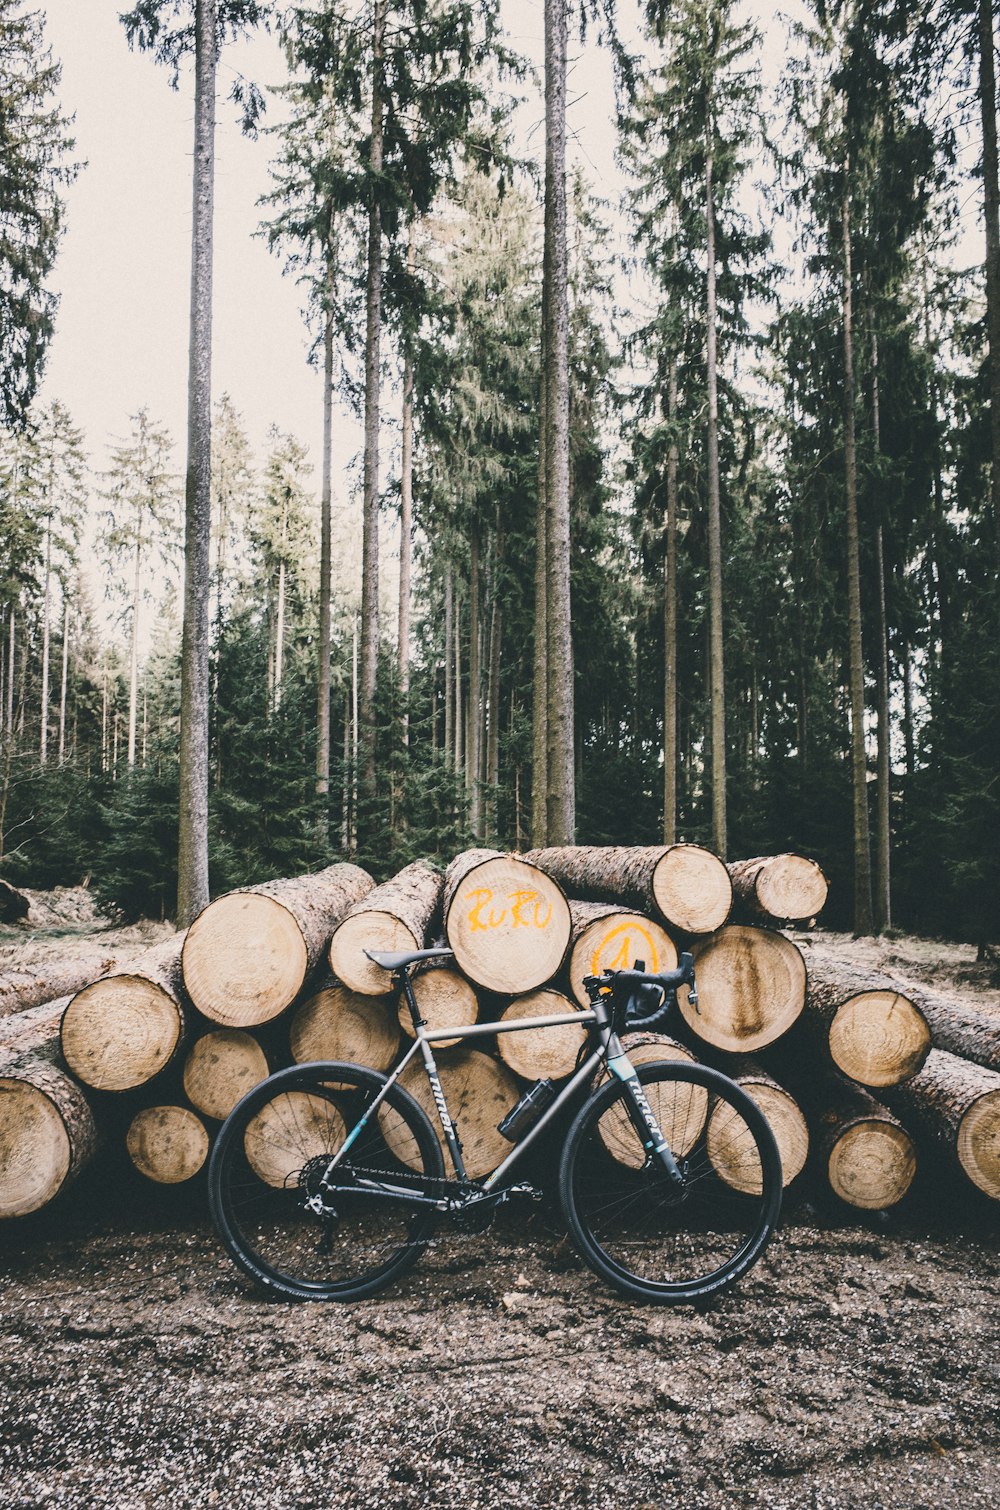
x: 406, y: 527
x: 717, y: 684
x: 493, y: 700
x: 991, y: 210
x: 862, y: 843
x: 373, y: 335
x: 11, y: 662
x: 64, y: 680
x: 670, y: 623
x: 355, y: 737
x: 458, y: 685
x: 133, y: 676
x: 192, y: 854
x: 43, y: 744
x: 279, y: 638
x: 345, y: 820
x: 559, y: 654
x: 449, y: 663
x: 540, y: 685
x: 325, y: 584
x: 472, y: 752
x: 882, y: 891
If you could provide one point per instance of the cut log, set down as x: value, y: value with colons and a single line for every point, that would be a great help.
x: 778, y: 889
x: 872, y: 1030
x: 689, y: 887
x: 479, y: 1092
x: 21, y: 990
x: 868, y: 1155
x: 287, y: 1132
x: 680, y: 1107
x: 121, y: 1031
x: 445, y: 999
x: 32, y: 1035
x: 606, y: 937
x: 958, y: 1105
x: 14, y: 905
x: 47, y: 1134
x: 541, y: 1053
x: 751, y: 988
x: 394, y: 917
x: 248, y: 955
x: 507, y: 921
x: 168, y: 1144
x: 729, y: 1153
x: 340, y: 1024
x: 221, y: 1066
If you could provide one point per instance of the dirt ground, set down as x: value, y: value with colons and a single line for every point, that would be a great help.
x: 857, y: 1365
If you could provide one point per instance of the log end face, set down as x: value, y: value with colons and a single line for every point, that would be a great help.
x: 167, y: 1144
x: 35, y: 1151
x: 343, y: 1025
x: 615, y: 942
x: 219, y: 1070
x: 978, y: 1144
x: 735, y: 1161
x: 542, y: 1053
x: 871, y: 1166
x: 119, y: 1033
x: 368, y: 930
x: 287, y: 1132
x: 445, y: 999
x: 792, y: 888
x: 751, y: 988
x: 244, y: 960
x: 692, y: 889
x: 879, y: 1038
x: 509, y: 925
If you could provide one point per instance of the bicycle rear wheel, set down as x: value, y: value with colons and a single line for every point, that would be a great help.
x: 303, y: 1226
x: 650, y: 1238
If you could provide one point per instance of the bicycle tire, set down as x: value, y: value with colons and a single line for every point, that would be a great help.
x: 268, y: 1160
x: 632, y: 1225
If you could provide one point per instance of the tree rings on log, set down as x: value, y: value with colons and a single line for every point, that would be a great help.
x: 220, y: 1068
x: 121, y: 1031
x: 688, y: 886
x: 168, y: 1144
x: 613, y: 938
x: 287, y: 1132
x: 340, y: 1024
x: 734, y: 1156
x: 47, y: 1134
x: 246, y: 957
x: 507, y: 921
x: 751, y: 988
x: 958, y: 1103
x: 679, y: 1106
x: 445, y: 1000
x: 779, y: 888
x: 541, y: 1053
x: 479, y: 1092
x: 878, y: 1038
x: 393, y: 918
x: 872, y: 1163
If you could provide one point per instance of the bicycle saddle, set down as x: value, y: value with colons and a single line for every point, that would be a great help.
x: 402, y: 961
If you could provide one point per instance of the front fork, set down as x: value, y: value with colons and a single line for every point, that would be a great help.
x: 641, y: 1113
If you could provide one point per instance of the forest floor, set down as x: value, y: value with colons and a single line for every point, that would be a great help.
x: 855, y: 1368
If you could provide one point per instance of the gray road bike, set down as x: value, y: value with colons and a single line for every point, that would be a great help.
x: 328, y: 1180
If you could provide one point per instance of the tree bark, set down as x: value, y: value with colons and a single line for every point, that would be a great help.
x: 863, y: 918
x: 248, y: 955
x: 778, y: 889
x: 396, y: 916
x: 65, y: 678
x: 561, y: 803
x: 23, y: 989
x: 43, y: 745
x: 325, y: 582
x: 717, y: 682
x: 192, y: 856
x: 449, y: 663
x: 882, y: 893
x: 686, y: 885
x: 373, y: 333
x: 670, y: 622
x: 123, y: 1030
x: 540, y: 685
x: 472, y: 751
x: 991, y: 215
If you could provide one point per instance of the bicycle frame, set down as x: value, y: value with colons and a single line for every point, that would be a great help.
x: 609, y: 1052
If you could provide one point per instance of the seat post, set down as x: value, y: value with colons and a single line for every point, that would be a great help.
x: 411, y: 1000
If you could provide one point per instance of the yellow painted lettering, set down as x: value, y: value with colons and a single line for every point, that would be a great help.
x: 479, y: 899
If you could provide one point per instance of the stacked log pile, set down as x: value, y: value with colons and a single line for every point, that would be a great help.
x: 279, y: 973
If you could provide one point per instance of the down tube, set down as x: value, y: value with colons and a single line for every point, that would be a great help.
x: 583, y: 1073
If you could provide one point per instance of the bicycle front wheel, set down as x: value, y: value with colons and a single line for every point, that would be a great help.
x: 649, y: 1237
x: 318, y: 1194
